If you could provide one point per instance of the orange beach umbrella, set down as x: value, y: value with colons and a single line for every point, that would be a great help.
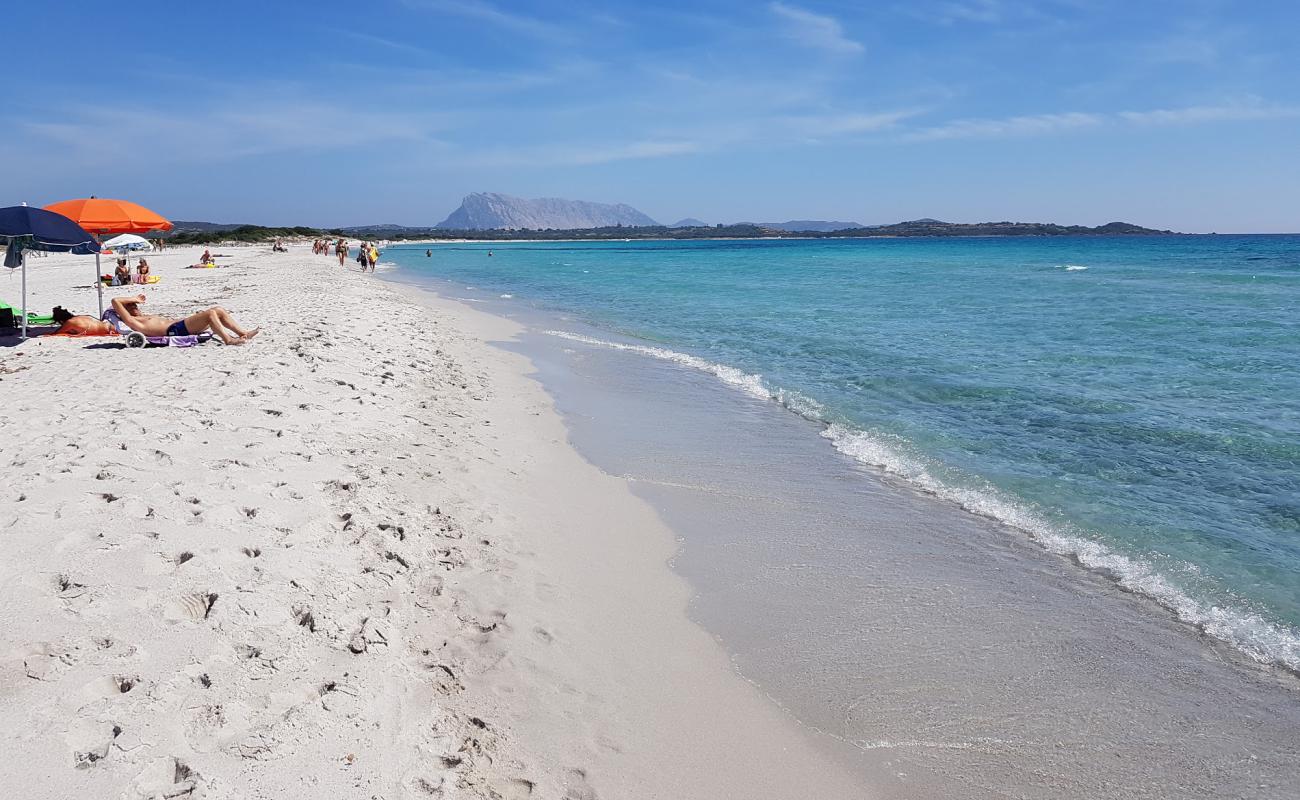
x: 101, y: 216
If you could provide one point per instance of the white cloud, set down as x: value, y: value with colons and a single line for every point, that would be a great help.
x: 145, y: 135
x: 380, y: 41
x: 1197, y: 114
x: 583, y: 155
x: 987, y: 11
x: 1028, y: 125
x: 486, y: 12
x: 1182, y: 50
x: 818, y: 31
x: 1041, y: 124
x: 846, y: 124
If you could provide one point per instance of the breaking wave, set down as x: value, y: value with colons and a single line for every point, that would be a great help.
x: 1259, y: 638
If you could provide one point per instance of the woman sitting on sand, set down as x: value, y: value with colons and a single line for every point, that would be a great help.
x: 122, y: 275
x: 216, y: 319
x: 142, y: 272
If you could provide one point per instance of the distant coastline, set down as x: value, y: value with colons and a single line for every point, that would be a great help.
x: 206, y: 232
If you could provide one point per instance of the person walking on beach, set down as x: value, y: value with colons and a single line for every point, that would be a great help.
x: 363, y: 255
x: 341, y: 250
x: 374, y: 257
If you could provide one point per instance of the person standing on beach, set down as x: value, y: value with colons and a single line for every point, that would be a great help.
x: 374, y: 257
x: 341, y: 250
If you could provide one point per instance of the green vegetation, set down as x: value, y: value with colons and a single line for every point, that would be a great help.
x: 251, y: 234
x: 256, y: 234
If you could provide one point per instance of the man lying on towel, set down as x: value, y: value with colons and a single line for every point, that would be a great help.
x: 216, y: 319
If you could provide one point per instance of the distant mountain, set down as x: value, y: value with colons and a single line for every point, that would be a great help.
x: 489, y: 210
x: 796, y: 225
x: 933, y: 227
x: 689, y: 222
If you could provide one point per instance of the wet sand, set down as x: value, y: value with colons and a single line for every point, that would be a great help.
x: 940, y: 654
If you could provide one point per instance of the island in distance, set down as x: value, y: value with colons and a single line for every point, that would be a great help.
x: 490, y: 215
x: 492, y: 211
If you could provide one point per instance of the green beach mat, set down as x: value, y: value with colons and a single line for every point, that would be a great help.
x: 32, y: 318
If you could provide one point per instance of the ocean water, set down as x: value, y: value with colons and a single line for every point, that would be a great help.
x: 1132, y: 403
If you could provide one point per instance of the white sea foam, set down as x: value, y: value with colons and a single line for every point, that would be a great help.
x: 751, y: 385
x: 1257, y: 637
x: 1074, y: 267
x: 507, y: 296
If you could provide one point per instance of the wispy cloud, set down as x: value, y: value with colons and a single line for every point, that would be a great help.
x: 986, y: 11
x: 584, y: 155
x: 1026, y: 125
x: 485, y: 12
x: 1197, y: 114
x: 1042, y: 124
x: 1180, y: 50
x: 818, y: 31
x: 379, y: 41
x: 821, y: 125
x: 223, y: 133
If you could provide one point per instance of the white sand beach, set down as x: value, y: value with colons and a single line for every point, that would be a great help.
x: 355, y: 558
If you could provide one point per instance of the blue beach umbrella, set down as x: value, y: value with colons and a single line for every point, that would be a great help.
x: 27, y: 228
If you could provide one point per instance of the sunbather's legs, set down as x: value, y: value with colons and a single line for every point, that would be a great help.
x: 219, y: 321
x: 208, y: 320
x: 229, y: 321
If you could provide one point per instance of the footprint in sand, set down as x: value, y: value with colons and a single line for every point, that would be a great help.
x: 211, y: 726
x: 190, y: 607
x: 576, y: 786
x: 166, y: 779
x: 91, y: 742
x: 304, y: 617
x: 444, y: 680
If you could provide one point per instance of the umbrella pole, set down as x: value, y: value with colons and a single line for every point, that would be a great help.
x: 99, y: 286
x: 22, y: 257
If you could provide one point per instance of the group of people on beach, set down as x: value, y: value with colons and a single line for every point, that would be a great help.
x: 122, y: 275
x: 367, y: 256
x: 125, y: 314
x: 367, y: 252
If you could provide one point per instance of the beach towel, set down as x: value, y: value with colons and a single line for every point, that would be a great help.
x: 77, y: 334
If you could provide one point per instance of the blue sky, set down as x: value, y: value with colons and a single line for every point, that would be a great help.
x: 1181, y: 115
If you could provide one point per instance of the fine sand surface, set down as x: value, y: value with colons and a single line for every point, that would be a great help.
x: 356, y: 558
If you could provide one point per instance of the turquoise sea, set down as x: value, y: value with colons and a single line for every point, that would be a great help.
x: 1133, y: 403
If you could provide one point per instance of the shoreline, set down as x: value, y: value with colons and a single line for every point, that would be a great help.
x: 1267, y: 644
x: 1080, y: 629
x: 356, y: 555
